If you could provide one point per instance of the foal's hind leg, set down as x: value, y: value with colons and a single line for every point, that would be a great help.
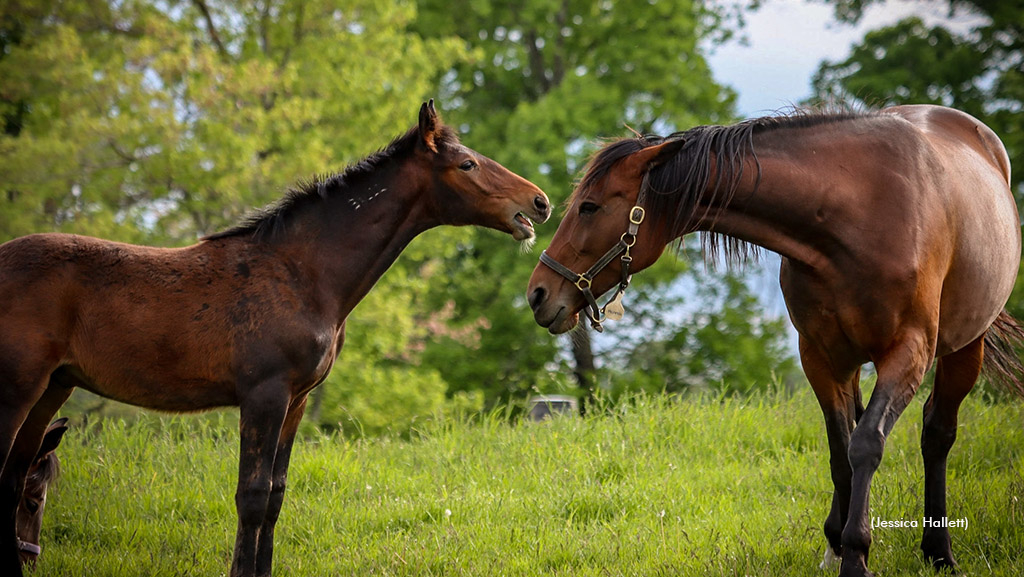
x: 30, y: 436
x: 20, y: 388
x: 955, y: 376
x: 838, y: 393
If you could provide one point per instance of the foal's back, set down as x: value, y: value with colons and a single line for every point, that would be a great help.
x: 170, y: 319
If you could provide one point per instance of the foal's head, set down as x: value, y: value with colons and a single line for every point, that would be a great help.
x: 470, y: 188
x: 44, y: 470
x: 599, y: 216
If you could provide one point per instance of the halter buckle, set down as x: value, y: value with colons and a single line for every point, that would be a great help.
x: 637, y: 214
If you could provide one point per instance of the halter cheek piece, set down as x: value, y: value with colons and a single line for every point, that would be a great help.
x: 612, y: 310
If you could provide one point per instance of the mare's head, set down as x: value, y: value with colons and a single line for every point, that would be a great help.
x: 41, y: 473
x: 471, y: 189
x: 596, y: 227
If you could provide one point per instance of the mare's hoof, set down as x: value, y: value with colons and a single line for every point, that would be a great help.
x: 831, y: 560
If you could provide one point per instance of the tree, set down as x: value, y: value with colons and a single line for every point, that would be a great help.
x: 910, y: 62
x: 549, y: 78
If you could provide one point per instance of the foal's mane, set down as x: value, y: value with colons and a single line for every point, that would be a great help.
x: 681, y: 183
x: 267, y: 222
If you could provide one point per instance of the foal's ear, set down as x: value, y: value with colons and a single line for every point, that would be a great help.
x: 54, y: 434
x: 429, y: 124
x: 653, y: 156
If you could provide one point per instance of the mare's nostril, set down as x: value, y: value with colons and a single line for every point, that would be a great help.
x: 537, y: 297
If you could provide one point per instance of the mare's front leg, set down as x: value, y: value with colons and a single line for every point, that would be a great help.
x: 838, y: 392
x: 265, y: 550
x: 955, y: 375
x: 263, y: 409
x: 900, y: 372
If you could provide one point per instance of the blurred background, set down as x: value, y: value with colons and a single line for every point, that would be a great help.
x: 159, y: 121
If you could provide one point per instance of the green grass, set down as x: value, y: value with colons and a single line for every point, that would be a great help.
x: 656, y: 487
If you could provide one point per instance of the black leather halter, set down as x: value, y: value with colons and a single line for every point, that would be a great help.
x: 612, y: 310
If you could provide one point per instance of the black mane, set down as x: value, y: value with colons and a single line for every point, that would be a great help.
x: 681, y: 184
x: 265, y: 223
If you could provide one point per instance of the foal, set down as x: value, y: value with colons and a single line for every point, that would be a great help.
x: 252, y: 317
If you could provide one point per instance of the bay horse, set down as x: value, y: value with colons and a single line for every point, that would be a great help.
x: 43, y: 471
x: 253, y: 316
x: 900, y: 244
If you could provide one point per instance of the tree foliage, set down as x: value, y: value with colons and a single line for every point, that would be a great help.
x: 550, y: 78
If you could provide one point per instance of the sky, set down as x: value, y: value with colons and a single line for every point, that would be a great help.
x: 787, y: 39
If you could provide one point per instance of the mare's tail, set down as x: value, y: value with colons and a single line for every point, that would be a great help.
x: 1002, y: 364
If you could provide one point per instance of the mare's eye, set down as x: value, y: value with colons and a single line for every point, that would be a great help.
x: 588, y: 208
x: 467, y: 165
x: 32, y: 506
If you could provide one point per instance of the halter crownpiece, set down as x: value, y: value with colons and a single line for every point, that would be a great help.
x: 613, y: 309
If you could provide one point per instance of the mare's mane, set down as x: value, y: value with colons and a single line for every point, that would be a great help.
x: 265, y: 223
x: 47, y: 471
x: 681, y: 183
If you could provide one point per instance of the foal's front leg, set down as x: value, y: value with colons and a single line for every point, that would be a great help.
x: 265, y: 549
x: 263, y: 410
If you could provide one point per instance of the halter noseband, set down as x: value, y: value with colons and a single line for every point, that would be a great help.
x: 612, y: 310
x: 30, y: 548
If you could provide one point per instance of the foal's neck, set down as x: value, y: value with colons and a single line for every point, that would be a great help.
x: 358, y: 234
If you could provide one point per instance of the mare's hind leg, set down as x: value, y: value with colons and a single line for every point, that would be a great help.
x: 265, y: 551
x: 838, y: 393
x: 955, y: 375
x: 900, y: 372
x: 263, y: 410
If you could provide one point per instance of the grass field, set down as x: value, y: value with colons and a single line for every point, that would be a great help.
x: 654, y: 487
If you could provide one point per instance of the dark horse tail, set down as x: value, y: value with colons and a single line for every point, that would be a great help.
x: 1002, y: 363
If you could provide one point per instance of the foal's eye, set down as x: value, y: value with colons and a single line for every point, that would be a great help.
x: 32, y: 506
x: 467, y: 165
x: 588, y: 208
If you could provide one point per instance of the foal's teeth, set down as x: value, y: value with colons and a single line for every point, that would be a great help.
x: 524, y: 219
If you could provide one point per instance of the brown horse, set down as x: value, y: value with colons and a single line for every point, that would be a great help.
x: 900, y: 244
x: 44, y: 469
x: 253, y: 316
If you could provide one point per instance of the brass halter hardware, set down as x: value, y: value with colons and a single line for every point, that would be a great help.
x: 612, y: 310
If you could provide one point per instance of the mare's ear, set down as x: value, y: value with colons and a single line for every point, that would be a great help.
x: 429, y: 124
x: 652, y: 156
x: 54, y: 434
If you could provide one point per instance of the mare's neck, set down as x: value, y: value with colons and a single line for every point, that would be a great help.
x: 786, y: 211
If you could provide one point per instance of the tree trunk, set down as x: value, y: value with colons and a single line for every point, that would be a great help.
x: 584, y: 371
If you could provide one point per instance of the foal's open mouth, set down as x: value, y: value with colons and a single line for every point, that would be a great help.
x: 522, y: 227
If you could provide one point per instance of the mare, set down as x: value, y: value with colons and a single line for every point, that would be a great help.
x: 899, y: 241
x: 43, y: 470
x: 253, y: 316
